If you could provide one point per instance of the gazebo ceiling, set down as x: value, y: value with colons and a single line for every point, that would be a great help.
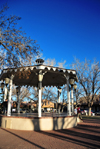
x: 52, y: 76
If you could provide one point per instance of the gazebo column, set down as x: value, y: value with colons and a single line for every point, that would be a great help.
x: 9, y: 98
x: 72, y: 99
x: 68, y: 97
x: 40, y: 78
x: 5, y: 97
x: 72, y: 83
x: 5, y: 93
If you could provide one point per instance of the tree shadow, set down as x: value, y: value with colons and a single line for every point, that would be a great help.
x: 72, y: 140
x: 23, y: 138
x: 94, y: 121
x: 80, y: 134
x: 88, y: 129
x: 88, y: 126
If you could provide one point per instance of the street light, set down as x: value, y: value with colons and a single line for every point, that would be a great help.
x: 75, y: 87
x: 71, y: 81
x: 40, y: 77
x: 2, y: 86
x: 59, y: 93
x: 7, y: 80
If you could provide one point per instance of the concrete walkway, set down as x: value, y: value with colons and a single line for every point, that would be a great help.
x: 86, y: 135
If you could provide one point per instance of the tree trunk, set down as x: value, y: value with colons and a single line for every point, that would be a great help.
x: 18, y: 108
x: 89, y: 111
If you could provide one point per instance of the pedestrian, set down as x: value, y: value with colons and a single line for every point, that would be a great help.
x: 75, y: 111
x: 79, y: 112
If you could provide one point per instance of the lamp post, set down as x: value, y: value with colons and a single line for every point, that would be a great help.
x: 7, y: 80
x: 5, y: 91
x: 59, y: 93
x: 68, y: 96
x: 75, y: 87
x: 71, y: 81
x: 4, y: 107
x: 2, y: 86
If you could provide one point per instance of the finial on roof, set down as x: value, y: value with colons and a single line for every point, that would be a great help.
x: 39, y: 61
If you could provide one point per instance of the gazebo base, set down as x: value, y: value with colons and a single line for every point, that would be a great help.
x: 38, y: 124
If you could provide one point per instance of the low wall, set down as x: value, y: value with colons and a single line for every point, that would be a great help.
x: 43, y: 123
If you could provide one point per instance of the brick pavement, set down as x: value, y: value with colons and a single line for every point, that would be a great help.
x: 86, y: 135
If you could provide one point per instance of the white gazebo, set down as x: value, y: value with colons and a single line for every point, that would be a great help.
x: 39, y: 76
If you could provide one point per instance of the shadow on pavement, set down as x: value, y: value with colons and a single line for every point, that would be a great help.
x: 88, y: 126
x: 86, y: 140
x: 80, y: 134
x: 88, y: 129
x: 0, y: 121
x: 23, y: 138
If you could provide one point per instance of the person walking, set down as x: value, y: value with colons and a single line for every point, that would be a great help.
x: 75, y: 111
x: 79, y: 112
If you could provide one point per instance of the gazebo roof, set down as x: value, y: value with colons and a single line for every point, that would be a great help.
x: 52, y: 76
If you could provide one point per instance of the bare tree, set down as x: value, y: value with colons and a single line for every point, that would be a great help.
x: 24, y: 93
x: 89, y: 79
x: 64, y: 93
x: 34, y: 93
x: 17, y: 48
x: 53, y: 62
x: 50, y: 62
x: 49, y: 93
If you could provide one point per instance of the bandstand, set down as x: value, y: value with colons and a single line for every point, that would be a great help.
x: 39, y: 76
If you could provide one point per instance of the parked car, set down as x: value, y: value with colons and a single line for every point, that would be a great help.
x: 97, y: 113
x: 22, y: 111
x: 85, y: 111
x: 14, y: 110
x: 92, y: 113
x: 82, y: 111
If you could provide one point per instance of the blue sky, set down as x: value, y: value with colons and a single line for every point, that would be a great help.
x: 64, y: 28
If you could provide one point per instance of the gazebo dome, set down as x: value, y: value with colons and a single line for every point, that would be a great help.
x: 39, y: 61
x: 52, y: 76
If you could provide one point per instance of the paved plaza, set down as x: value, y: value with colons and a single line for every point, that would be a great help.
x: 86, y: 135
